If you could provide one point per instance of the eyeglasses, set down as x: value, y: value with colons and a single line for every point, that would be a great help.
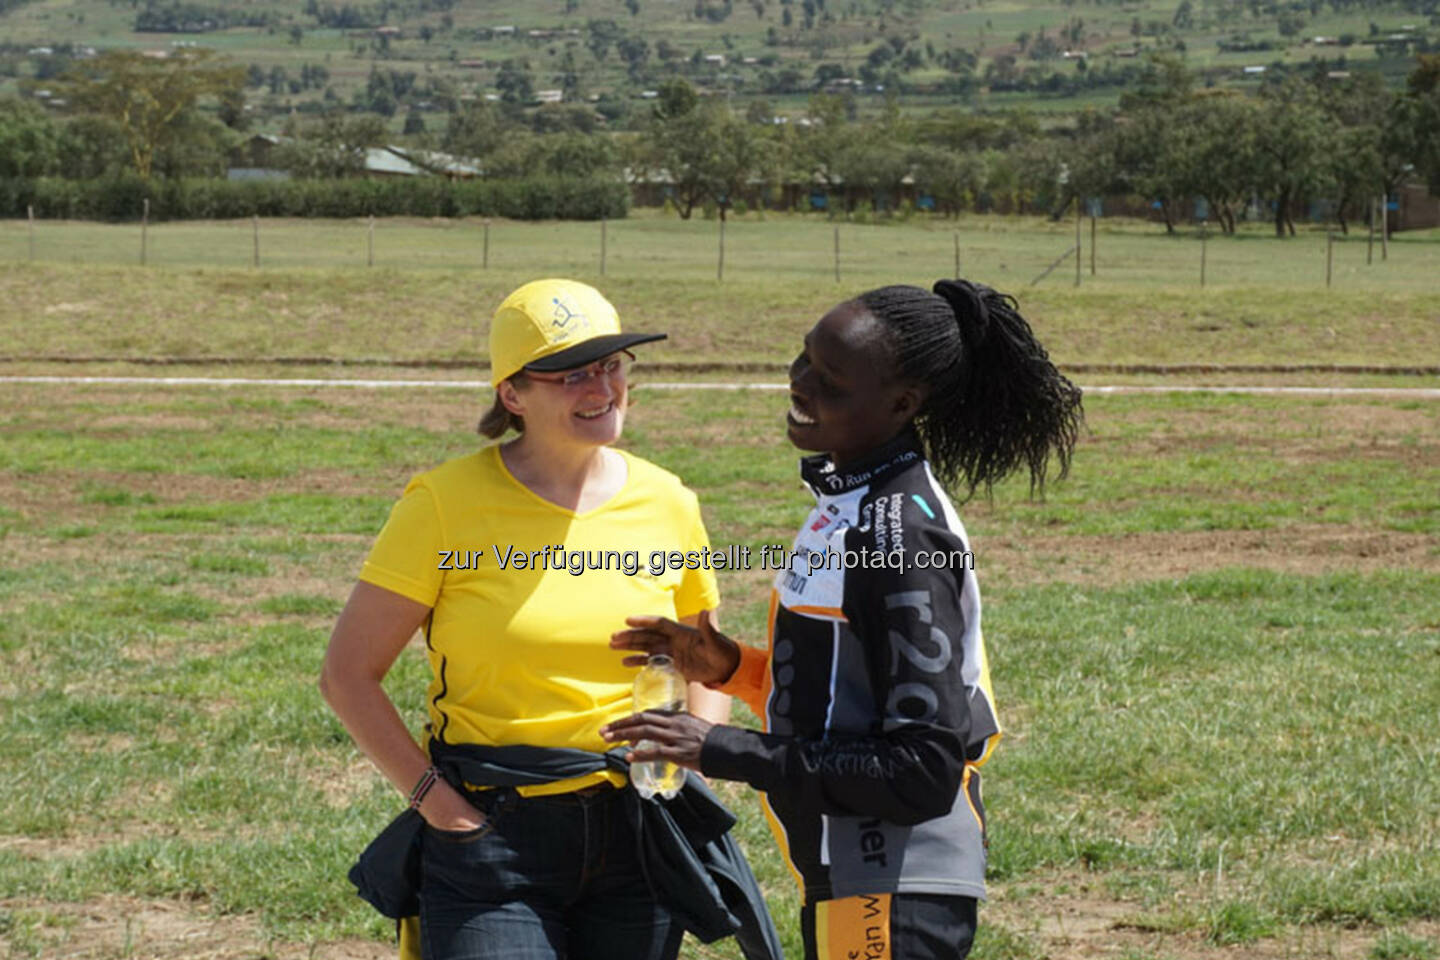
x: 615, y: 365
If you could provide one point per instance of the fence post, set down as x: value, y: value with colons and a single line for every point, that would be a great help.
x: 602, y: 246
x: 1370, y: 242
x: 255, y: 223
x: 1385, y: 227
x: 144, y: 229
x: 370, y: 242
x: 1077, y: 240
x: 1092, y: 244
x: 720, y: 263
x: 30, y: 214
x: 1204, y: 237
x: 1329, y: 256
x: 837, y: 254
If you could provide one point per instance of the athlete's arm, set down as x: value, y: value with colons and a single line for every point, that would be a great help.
x: 374, y: 627
x: 906, y: 776
x: 908, y: 767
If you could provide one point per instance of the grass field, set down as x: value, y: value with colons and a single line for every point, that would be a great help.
x: 1216, y: 646
x: 1212, y: 646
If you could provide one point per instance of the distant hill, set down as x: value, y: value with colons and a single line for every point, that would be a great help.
x: 412, y: 57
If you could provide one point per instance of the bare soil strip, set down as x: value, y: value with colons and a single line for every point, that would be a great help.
x: 1071, y: 921
x: 721, y: 366
x: 112, y: 928
x: 1108, y: 561
x: 1426, y: 393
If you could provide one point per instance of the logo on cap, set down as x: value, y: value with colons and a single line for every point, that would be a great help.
x: 568, y: 318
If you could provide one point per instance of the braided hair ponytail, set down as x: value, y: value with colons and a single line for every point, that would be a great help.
x: 995, y: 401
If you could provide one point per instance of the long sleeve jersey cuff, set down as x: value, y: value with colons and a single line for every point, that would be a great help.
x: 749, y: 677
x: 905, y: 778
x: 734, y: 753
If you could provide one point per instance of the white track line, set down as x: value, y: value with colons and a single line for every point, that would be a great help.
x: 1411, y: 392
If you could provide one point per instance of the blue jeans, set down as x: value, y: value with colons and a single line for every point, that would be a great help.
x: 547, y: 878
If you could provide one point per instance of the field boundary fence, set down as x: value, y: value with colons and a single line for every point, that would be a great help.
x: 998, y: 250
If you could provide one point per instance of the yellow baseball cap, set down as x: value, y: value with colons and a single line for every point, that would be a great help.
x: 550, y: 325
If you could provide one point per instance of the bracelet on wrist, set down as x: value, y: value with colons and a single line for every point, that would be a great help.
x: 428, y: 779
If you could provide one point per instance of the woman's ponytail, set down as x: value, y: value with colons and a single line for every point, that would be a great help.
x: 995, y: 401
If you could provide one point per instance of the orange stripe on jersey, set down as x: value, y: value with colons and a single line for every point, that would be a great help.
x: 830, y: 613
x: 969, y: 799
x: 855, y: 928
x: 767, y: 682
x: 782, y: 839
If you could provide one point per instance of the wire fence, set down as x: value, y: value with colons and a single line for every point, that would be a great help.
x: 1009, y: 253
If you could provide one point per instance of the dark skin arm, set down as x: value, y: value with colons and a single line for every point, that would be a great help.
x: 702, y: 654
x: 906, y: 775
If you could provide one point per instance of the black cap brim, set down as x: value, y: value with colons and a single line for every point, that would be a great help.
x: 590, y: 351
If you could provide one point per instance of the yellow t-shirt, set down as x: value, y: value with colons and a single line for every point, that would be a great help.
x: 518, y: 638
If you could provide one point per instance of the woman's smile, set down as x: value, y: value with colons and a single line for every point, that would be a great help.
x: 596, y: 412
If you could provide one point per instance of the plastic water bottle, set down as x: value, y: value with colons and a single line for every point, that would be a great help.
x: 658, y: 686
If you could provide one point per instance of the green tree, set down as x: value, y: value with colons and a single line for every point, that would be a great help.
x: 708, y: 153
x: 1165, y: 80
x: 1093, y: 165
x: 1415, y: 121
x: 1217, y: 152
x: 600, y: 36
x: 1001, y: 181
x: 200, y: 147
x: 148, y: 97
x: 579, y: 155
x: 676, y: 99
x: 1150, y: 155
x: 676, y: 142
x: 635, y: 52
x: 819, y: 146
x: 953, y: 179
x: 570, y: 78
x: 874, y: 165
x: 93, y: 146
x: 514, y: 82
x: 740, y: 153
x: 1044, y: 176
x: 334, y: 146
x: 476, y: 131
x: 1355, y: 161
x: 1289, y: 149
x: 31, y: 142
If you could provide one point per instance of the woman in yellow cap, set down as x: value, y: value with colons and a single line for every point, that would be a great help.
x: 519, y: 561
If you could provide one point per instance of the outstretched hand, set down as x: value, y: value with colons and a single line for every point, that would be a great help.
x: 676, y: 737
x: 702, y: 655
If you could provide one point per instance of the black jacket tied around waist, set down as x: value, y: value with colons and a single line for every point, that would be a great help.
x: 695, y: 869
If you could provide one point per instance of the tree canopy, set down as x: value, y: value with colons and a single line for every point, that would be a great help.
x: 149, y: 97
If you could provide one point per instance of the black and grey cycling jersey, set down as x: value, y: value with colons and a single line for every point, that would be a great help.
x: 876, y: 695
